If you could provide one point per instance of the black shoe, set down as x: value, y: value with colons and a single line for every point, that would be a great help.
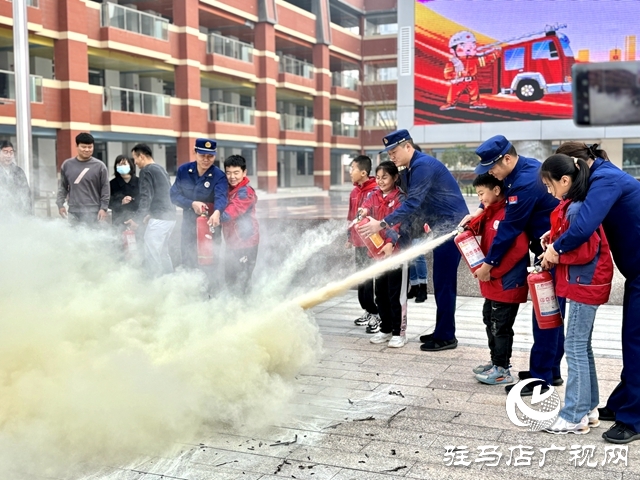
x: 413, y: 291
x: 422, y: 293
x: 606, y: 414
x: 527, y: 391
x: 620, y: 433
x: 438, y: 345
x: 523, y: 375
x: 426, y: 338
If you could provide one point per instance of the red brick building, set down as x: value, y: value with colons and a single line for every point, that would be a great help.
x: 295, y: 86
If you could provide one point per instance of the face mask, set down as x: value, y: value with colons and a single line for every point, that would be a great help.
x: 123, y: 169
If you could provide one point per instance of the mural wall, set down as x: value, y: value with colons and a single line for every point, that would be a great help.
x: 506, y: 60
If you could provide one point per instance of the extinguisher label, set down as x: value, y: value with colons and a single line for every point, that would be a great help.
x: 547, y: 300
x: 471, y: 251
x: 377, y: 240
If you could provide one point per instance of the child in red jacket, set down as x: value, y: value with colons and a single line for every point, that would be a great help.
x: 506, y: 289
x: 363, y: 184
x: 239, y: 226
x: 584, y: 277
x: 391, y: 286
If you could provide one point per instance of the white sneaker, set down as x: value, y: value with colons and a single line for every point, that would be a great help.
x: 398, y: 341
x: 594, y: 418
x: 562, y: 427
x: 381, y: 337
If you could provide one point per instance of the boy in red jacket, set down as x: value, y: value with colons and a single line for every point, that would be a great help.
x: 239, y: 226
x: 363, y: 184
x: 506, y: 289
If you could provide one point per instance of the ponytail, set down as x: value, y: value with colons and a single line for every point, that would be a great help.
x: 583, y: 151
x: 557, y: 166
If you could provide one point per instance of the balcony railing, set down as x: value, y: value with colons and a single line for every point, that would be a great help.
x: 227, y: 112
x: 31, y: 3
x: 136, y: 101
x: 230, y: 47
x: 8, y: 86
x: 340, y: 79
x: 296, y: 122
x: 295, y: 66
x: 345, y: 130
x: 130, y: 19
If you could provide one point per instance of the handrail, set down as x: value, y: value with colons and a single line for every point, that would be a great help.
x: 8, y: 87
x: 230, y: 47
x: 231, y: 113
x: 132, y: 20
x: 295, y: 66
x: 117, y: 99
x: 296, y: 122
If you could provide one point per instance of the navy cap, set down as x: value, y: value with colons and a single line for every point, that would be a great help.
x: 490, y: 152
x: 394, y: 139
x: 206, y: 146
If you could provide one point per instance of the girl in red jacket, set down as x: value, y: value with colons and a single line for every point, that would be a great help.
x: 583, y: 276
x: 391, y: 286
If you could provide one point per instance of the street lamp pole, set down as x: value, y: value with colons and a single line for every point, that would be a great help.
x: 23, y: 86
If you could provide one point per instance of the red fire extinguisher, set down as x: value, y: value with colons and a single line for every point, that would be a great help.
x: 469, y: 248
x: 204, y: 237
x: 374, y: 243
x: 543, y: 297
x: 130, y: 245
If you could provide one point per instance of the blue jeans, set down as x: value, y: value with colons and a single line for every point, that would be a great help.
x: 417, y: 268
x: 581, y: 394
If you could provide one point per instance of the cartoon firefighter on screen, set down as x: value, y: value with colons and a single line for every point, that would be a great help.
x: 462, y: 68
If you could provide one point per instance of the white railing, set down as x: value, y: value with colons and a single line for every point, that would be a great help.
x: 227, y: 112
x: 130, y: 19
x: 8, y: 86
x: 345, y: 130
x: 340, y: 79
x: 229, y: 47
x: 295, y: 66
x: 296, y: 122
x: 118, y: 99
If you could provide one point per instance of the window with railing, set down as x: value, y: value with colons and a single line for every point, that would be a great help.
x: 347, y: 79
x: 296, y: 122
x: 130, y: 19
x: 8, y: 86
x: 375, y: 73
x: 345, y: 130
x: 385, y: 24
x: 31, y: 3
x: 380, y: 118
x: 295, y: 66
x: 230, y: 47
x: 118, y: 99
x: 230, y: 113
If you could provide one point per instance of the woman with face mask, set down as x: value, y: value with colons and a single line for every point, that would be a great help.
x: 124, y: 191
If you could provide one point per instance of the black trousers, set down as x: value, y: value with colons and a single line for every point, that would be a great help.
x: 499, y: 318
x: 365, y: 289
x: 238, y: 268
x: 389, y: 288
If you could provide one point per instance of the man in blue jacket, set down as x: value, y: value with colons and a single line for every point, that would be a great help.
x: 529, y: 207
x: 433, y: 197
x: 200, y: 187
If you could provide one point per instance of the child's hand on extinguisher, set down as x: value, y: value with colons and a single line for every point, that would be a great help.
x: 544, y: 239
x: 550, y: 257
x: 387, y: 250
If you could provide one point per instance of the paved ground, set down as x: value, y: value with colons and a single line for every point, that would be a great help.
x: 366, y: 412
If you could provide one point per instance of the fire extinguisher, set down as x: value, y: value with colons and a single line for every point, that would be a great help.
x: 469, y: 248
x: 374, y: 243
x: 204, y: 240
x: 129, y: 240
x: 543, y: 297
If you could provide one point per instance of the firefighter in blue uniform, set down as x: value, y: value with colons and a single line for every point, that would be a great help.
x: 529, y: 207
x: 197, y: 184
x: 613, y: 199
x: 433, y: 197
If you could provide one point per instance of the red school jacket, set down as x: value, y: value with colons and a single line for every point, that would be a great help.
x: 379, y: 206
x: 508, y: 282
x: 584, y: 274
x: 358, y: 194
x: 239, y: 222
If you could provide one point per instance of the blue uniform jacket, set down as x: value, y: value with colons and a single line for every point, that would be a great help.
x: 212, y: 187
x: 613, y: 200
x: 433, y: 197
x: 529, y: 208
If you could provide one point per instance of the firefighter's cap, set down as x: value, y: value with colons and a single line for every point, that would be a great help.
x: 206, y: 146
x: 394, y: 139
x: 490, y: 152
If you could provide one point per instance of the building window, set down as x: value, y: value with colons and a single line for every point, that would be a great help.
x: 379, y: 73
x: 631, y: 159
x: 380, y: 118
x: 386, y: 24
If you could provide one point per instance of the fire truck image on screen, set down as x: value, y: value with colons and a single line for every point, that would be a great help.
x: 469, y: 68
